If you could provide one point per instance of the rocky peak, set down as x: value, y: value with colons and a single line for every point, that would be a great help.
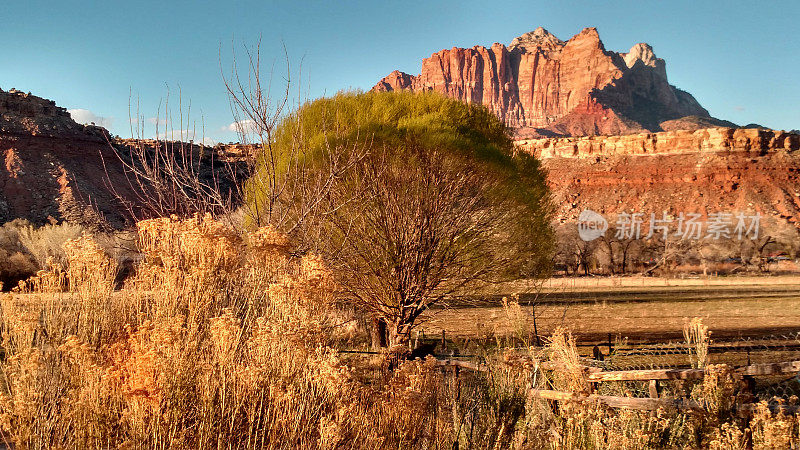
x: 589, y: 34
x: 641, y: 52
x: 24, y: 113
x: 536, y: 40
x: 396, y: 80
x: 543, y: 85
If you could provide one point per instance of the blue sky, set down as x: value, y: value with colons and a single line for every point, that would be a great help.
x: 738, y: 58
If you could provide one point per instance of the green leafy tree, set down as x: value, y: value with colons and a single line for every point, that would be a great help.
x: 411, y: 198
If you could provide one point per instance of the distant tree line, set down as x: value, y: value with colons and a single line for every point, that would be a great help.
x: 775, y: 249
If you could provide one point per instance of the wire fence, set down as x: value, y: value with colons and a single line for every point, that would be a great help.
x: 620, y: 356
x: 739, y: 352
x: 734, y: 352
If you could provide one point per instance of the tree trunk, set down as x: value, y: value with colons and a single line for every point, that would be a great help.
x: 624, y: 261
x: 379, y: 333
x: 399, y: 334
x: 535, y: 328
x: 611, y: 263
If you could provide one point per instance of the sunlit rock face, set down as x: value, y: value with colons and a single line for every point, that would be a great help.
x: 542, y: 86
x: 702, y: 171
x: 53, y: 169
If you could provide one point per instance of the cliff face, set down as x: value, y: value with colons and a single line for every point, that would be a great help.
x: 540, y: 85
x: 45, y: 178
x: 54, y: 169
x: 26, y: 114
x: 611, y: 131
x: 668, y: 142
x: 710, y: 170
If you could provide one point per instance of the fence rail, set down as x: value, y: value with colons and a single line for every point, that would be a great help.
x: 463, y: 364
x: 595, y: 372
x: 641, y: 404
x: 692, y: 374
x: 649, y: 404
x: 653, y: 376
x: 598, y: 375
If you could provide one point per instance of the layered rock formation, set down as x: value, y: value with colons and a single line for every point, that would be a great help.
x: 26, y: 114
x: 710, y: 140
x: 55, y: 169
x: 541, y: 86
x: 704, y: 171
x: 51, y: 167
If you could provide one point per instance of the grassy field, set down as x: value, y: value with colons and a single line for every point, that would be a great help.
x: 223, y: 340
x: 641, y: 309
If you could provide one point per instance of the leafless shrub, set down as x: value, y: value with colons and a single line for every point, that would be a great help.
x: 25, y: 248
x: 46, y: 242
x: 404, y: 235
x: 171, y: 174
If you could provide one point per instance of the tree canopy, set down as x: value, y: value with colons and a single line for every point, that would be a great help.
x: 411, y: 197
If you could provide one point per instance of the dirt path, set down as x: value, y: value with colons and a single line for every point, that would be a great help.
x: 730, y: 307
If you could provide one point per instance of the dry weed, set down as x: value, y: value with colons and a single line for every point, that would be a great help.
x: 697, y: 338
x: 226, y: 340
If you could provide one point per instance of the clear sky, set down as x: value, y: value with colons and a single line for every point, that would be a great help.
x: 740, y: 59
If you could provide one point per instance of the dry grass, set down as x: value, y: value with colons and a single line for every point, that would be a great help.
x: 697, y: 337
x: 218, y: 340
x: 46, y: 242
x: 24, y: 248
x: 227, y: 340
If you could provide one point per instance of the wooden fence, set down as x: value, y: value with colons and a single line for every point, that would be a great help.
x: 594, y: 375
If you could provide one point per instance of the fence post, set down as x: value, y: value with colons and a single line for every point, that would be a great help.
x: 748, y: 385
x: 680, y: 389
x: 535, y: 328
x: 654, y: 388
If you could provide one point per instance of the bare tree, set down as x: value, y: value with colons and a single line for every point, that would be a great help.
x: 407, y: 235
x: 170, y: 174
x: 256, y: 114
x: 761, y: 247
x: 288, y: 193
x: 577, y: 255
x: 662, y: 251
x: 625, y: 247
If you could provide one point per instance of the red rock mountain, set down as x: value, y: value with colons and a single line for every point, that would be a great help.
x: 542, y: 86
x: 54, y: 169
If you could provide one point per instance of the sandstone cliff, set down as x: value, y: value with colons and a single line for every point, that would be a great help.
x: 704, y: 171
x: 54, y: 169
x: 26, y: 114
x: 540, y: 85
x: 667, y: 142
x: 51, y: 167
